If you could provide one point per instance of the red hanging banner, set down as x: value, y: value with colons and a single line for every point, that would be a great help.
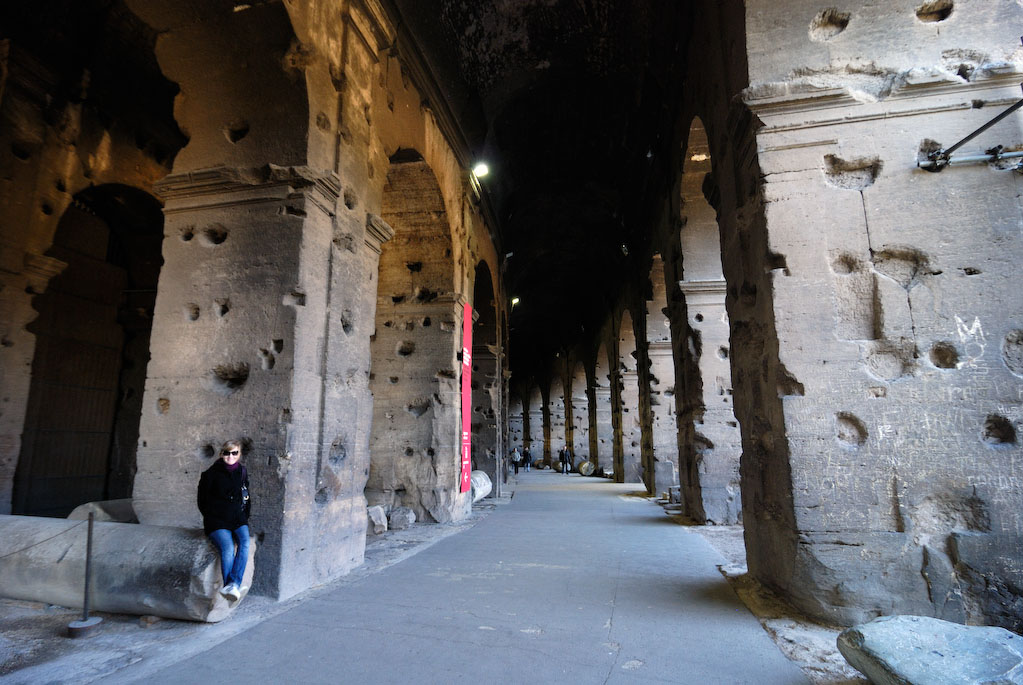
x: 466, y: 398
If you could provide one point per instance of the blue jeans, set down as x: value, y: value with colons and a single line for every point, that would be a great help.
x: 232, y: 565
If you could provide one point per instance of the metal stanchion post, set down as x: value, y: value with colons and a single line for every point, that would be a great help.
x: 84, y: 626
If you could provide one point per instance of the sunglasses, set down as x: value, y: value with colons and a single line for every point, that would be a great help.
x: 231, y: 452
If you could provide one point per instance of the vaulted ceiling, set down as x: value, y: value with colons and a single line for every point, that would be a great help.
x: 572, y: 104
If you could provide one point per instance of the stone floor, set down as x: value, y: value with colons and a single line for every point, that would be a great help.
x: 575, y: 579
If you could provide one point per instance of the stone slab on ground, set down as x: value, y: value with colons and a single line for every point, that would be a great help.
x: 919, y: 650
x: 401, y: 518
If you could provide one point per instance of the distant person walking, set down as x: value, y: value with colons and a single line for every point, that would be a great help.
x: 565, y: 456
x: 516, y: 459
x: 223, y: 500
x: 527, y: 459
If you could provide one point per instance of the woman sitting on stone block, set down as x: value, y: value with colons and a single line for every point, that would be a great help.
x: 224, y: 504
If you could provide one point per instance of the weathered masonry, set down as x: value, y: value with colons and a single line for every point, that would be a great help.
x: 721, y: 248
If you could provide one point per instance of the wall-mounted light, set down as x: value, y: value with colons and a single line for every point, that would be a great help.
x: 481, y: 169
x: 514, y: 301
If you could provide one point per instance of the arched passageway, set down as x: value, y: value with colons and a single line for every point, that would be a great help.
x: 92, y: 349
x: 603, y: 455
x: 414, y: 445
x: 486, y: 385
x: 712, y: 445
x: 580, y: 414
x: 662, y: 386
x: 631, y: 429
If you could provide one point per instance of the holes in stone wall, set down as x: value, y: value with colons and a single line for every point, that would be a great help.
x: 888, y: 361
x: 409, y: 452
x: 236, y: 130
x: 418, y: 408
x: 351, y: 201
x: 46, y: 208
x: 322, y: 496
x: 414, y: 267
x: 406, y: 348
x: 828, y: 24
x: 397, y: 299
x: 850, y: 431
x: 426, y: 323
x: 278, y: 345
x: 347, y: 325
x: 295, y: 299
x: 393, y: 380
x: 776, y: 262
x: 722, y: 352
x: 845, y: 264
x: 338, y: 451
x: 221, y: 306
x: 970, y: 271
x: 268, y: 359
x: 192, y: 311
x: 904, y: 265
x: 426, y: 295
x: 998, y: 431
x: 59, y: 185
x: 206, y: 452
x: 698, y: 318
x: 944, y: 355
x: 788, y: 385
x: 187, y: 233
x: 227, y: 379
x: 1012, y: 352
x: 322, y: 122
x: 852, y: 174
x: 21, y: 150
x: 214, y: 234
x: 937, y: 10
x: 162, y: 405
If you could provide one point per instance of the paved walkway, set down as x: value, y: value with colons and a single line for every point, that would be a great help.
x: 575, y: 581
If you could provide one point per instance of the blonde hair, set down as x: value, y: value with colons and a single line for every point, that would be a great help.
x: 226, y: 447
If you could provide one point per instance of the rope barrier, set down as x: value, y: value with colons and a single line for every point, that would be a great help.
x: 36, y: 544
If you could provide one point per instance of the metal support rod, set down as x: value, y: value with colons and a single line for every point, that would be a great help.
x: 926, y: 164
x: 939, y: 159
x: 88, y: 569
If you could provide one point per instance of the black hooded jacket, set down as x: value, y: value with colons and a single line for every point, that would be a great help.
x: 221, y: 499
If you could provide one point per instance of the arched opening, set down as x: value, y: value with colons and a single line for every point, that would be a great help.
x: 604, y: 442
x: 486, y: 390
x: 580, y: 414
x: 632, y: 466
x: 711, y: 443
x: 517, y: 422
x: 536, y: 414
x: 414, y: 443
x: 92, y: 347
x: 557, y: 411
x: 662, y: 383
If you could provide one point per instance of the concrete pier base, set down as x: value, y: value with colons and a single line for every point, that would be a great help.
x: 136, y: 569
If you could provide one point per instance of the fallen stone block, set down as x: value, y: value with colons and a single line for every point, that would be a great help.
x: 401, y: 518
x: 136, y: 569
x: 481, y: 485
x: 919, y: 650
x: 377, y: 520
x: 115, y: 510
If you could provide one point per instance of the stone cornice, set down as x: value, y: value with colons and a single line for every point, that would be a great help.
x: 800, y: 95
x: 227, y: 187
x: 378, y: 232
x: 701, y: 287
x: 39, y: 269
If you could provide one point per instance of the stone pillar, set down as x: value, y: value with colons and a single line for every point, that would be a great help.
x: 644, y: 415
x: 580, y: 419
x: 895, y: 303
x: 253, y: 337
x: 417, y: 408
x: 617, y: 440
x: 711, y: 488
x: 662, y: 385
x: 603, y: 437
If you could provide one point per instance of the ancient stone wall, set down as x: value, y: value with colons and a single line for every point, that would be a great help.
x: 631, y: 419
x: 901, y: 394
x: 662, y: 389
